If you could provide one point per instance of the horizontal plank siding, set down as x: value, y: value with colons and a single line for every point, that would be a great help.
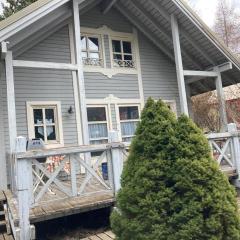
x: 45, y: 85
x: 113, y: 19
x: 54, y: 48
x: 158, y: 73
x: 121, y: 85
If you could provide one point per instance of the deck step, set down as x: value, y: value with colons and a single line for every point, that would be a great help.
x: 2, y: 223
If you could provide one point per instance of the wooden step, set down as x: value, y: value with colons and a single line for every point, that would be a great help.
x: 2, y: 223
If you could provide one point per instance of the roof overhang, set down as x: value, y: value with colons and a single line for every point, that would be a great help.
x: 201, y: 49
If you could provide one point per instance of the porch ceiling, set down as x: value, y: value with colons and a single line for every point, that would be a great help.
x: 200, y: 48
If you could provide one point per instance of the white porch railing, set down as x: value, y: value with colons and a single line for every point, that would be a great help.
x: 226, y: 149
x: 43, y: 176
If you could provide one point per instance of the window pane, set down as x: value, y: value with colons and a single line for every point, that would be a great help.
x: 39, y: 132
x: 128, y: 128
x: 84, y: 42
x: 94, y: 55
x: 38, y: 116
x: 128, y: 57
x: 98, y: 130
x: 117, y: 56
x: 49, y: 114
x: 127, y: 48
x: 127, y: 113
x: 116, y: 45
x: 93, y: 44
x: 51, y: 133
x: 95, y: 114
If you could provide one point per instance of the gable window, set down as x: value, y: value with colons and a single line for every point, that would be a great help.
x: 97, y: 124
x: 91, y: 50
x: 44, y: 122
x: 129, y: 118
x: 122, y: 54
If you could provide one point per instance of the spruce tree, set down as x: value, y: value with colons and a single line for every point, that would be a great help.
x: 12, y: 6
x: 171, y: 187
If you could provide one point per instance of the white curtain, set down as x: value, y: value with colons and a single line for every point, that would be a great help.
x: 128, y: 128
x: 98, y: 130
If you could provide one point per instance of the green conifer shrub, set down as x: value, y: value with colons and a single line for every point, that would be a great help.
x: 171, y: 187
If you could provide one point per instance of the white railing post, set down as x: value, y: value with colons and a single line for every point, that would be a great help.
x: 232, y: 128
x: 24, y: 192
x: 117, y: 160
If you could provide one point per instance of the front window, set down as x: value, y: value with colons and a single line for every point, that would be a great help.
x: 44, y: 123
x: 91, y: 52
x: 97, y: 125
x: 122, y: 54
x: 129, y: 118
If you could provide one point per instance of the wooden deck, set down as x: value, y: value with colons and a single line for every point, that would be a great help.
x: 63, y: 207
x: 101, y: 236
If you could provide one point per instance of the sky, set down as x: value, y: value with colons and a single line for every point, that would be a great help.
x: 206, y: 10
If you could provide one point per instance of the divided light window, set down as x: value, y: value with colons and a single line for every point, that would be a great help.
x: 45, y: 123
x: 91, y: 51
x: 129, y: 118
x: 122, y: 54
x: 97, y: 125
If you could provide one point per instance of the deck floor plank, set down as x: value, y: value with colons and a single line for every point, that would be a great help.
x: 104, y: 236
x: 101, y: 236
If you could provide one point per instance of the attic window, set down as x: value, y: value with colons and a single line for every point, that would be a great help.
x: 122, y: 54
x: 91, y: 51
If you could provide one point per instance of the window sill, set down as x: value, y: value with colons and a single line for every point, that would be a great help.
x: 110, y: 72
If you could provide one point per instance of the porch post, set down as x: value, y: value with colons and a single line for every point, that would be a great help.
x: 80, y: 75
x: 11, y: 111
x: 179, y: 65
x: 3, y: 167
x: 12, y: 128
x: 222, y: 102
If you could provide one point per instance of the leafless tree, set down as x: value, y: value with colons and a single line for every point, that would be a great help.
x: 227, y: 25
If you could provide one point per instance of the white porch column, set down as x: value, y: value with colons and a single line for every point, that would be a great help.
x: 222, y: 102
x: 179, y: 65
x: 11, y: 101
x: 81, y: 84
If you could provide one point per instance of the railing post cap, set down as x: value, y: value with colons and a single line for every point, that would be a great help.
x: 232, y: 127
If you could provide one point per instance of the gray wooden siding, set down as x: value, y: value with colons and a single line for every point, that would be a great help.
x: 113, y: 19
x: 158, y: 73
x: 45, y: 85
x: 121, y: 85
x: 54, y: 48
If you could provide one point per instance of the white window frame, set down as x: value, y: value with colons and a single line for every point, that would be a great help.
x: 101, y: 49
x: 58, y: 125
x: 100, y: 122
x: 112, y: 71
x: 133, y: 54
x: 117, y: 106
